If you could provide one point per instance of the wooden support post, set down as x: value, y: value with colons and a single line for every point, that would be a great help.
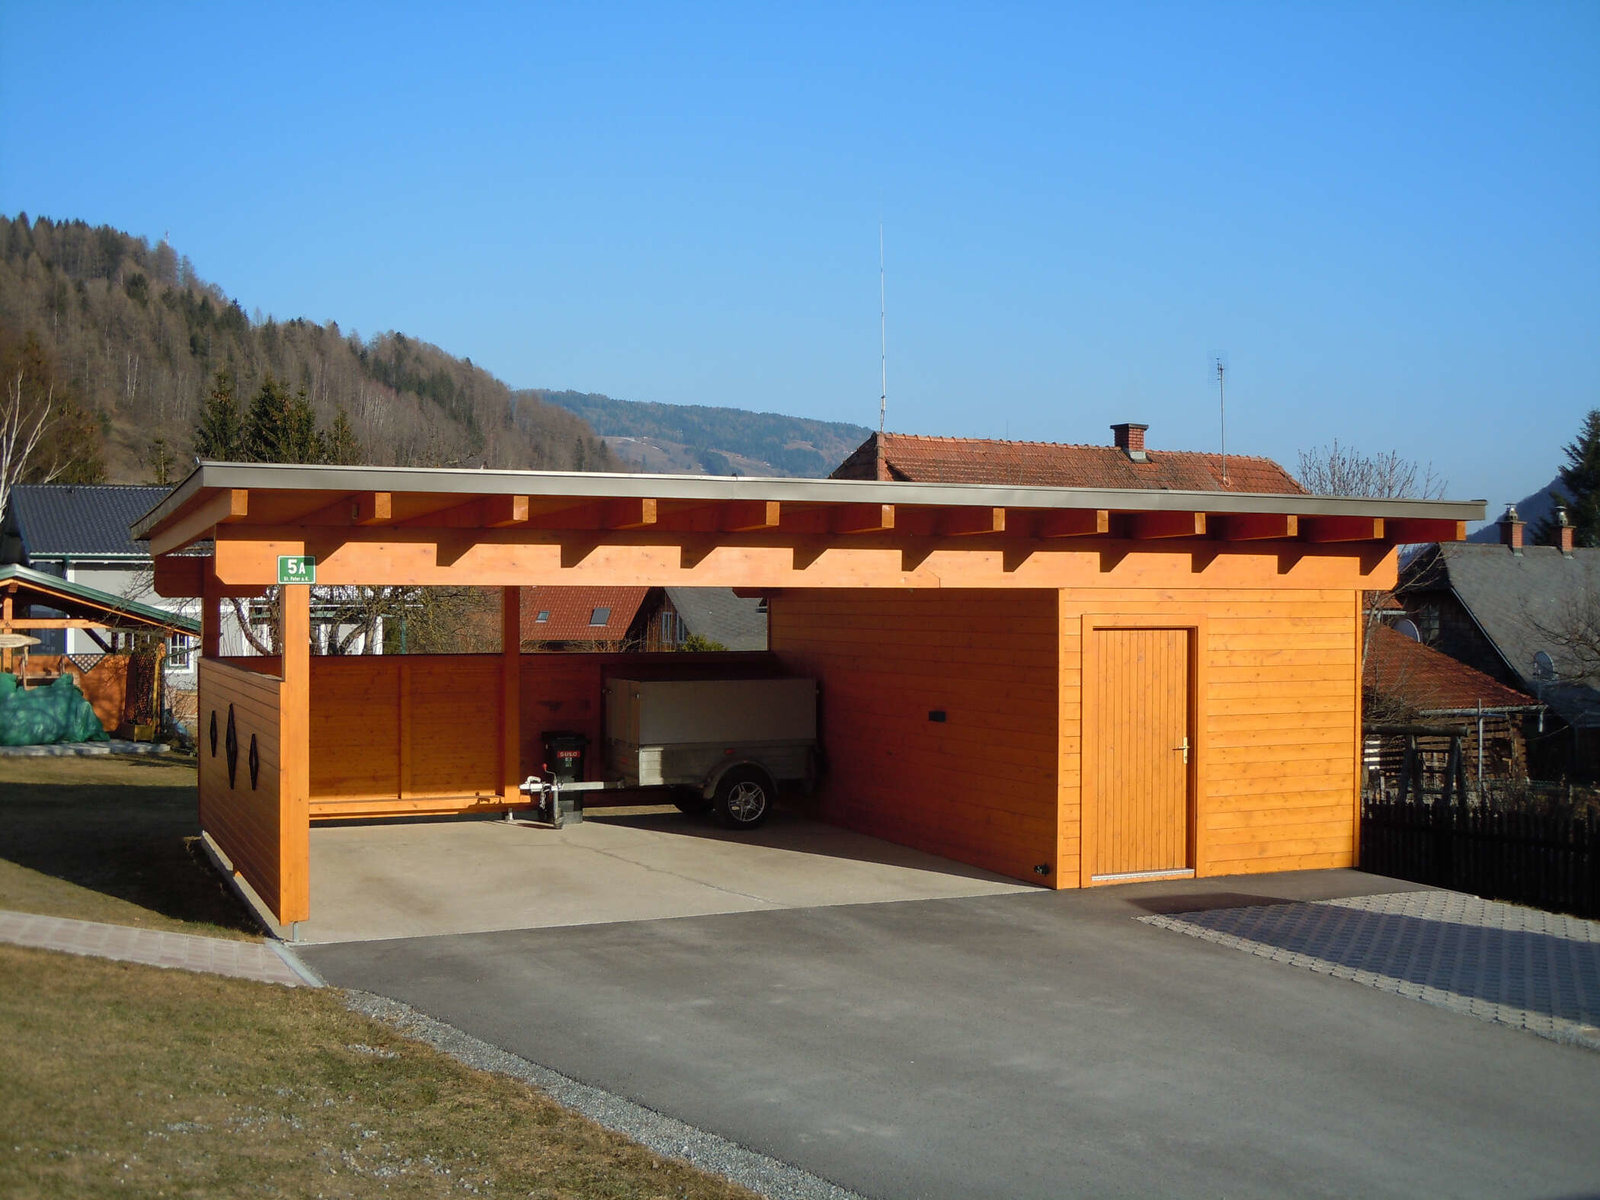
x: 294, y: 752
x: 5, y: 623
x: 510, y: 690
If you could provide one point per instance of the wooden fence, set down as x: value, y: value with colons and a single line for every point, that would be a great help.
x: 1547, y: 861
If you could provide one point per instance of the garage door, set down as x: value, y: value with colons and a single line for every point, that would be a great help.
x: 1140, y: 692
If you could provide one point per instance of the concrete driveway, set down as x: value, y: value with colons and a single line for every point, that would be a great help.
x: 472, y: 875
x: 1023, y: 1045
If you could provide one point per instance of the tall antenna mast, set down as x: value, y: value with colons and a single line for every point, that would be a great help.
x: 1222, y: 412
x: 883, y: 334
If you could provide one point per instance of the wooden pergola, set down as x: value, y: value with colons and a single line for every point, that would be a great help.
x: 1178, y: 554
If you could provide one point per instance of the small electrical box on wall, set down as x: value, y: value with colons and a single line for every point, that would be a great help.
x: 936, y: 715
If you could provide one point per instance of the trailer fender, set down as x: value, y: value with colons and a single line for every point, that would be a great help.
x: 708, y: 790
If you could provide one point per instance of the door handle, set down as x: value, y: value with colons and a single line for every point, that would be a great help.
x: 1184, y: 748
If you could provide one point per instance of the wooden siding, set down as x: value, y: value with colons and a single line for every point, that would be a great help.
x: 1276, y: 749
x: 980, y: 786
x: 247, y: 819
x: 398, y: 735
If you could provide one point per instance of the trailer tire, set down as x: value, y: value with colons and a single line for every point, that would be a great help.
x: 743, y: 798
x: 689, y: 800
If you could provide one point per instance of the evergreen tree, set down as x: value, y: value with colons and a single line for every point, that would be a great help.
x: 1580, y: 488
x: 219, y: 437
x: 280, y: 427
x: 341, y: 444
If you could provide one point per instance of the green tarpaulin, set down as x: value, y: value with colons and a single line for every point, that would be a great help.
x: 57, y: 712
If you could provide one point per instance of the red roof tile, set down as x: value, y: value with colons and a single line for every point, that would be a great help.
x: 1429, y: 681
x: 890, y: 456
x: 569, y: 613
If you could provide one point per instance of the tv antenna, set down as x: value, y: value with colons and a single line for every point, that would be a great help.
x: 1222, y: 412
x: 883, y: 335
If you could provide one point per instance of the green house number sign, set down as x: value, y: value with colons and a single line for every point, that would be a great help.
x: 301, y: 568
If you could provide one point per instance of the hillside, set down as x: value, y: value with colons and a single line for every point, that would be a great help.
x: 136, y: 338
x: 697, y: 439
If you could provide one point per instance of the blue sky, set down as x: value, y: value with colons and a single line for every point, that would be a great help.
x: 1386, y: 217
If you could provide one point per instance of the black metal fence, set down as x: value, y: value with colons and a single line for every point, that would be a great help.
x: 1547, y: 860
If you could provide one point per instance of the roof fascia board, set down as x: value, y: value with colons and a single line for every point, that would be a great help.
x: 596, y: 485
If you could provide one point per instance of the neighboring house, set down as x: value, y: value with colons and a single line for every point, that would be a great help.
x: 606, y: 619
x: 1405, y: 682
x: 80, y: 533
x: 1126, y: 463
x: 1514, y: 613
x: 582, y: 618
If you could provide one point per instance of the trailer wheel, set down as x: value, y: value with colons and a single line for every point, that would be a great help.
x: 743, y: 799
x: 689, y: 800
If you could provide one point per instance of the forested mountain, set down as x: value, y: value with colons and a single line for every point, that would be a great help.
x: 697, y: 439
x: 135, y: 338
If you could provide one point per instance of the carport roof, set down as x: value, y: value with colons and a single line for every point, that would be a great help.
x: 272, y: 494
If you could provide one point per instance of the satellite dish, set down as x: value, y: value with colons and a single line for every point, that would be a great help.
x: 1406, y: 627
x: 1544, y: 667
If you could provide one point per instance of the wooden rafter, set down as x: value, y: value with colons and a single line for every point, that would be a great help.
x: 1074, y: 522
x: 1167, y: 525
x: 1257, y: 527
x: 230, y: 504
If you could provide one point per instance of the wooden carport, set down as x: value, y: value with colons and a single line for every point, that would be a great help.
x: 1006, y: 671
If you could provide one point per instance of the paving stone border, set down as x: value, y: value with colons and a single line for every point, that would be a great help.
x: 259, y: 960
x: 1515, y: 966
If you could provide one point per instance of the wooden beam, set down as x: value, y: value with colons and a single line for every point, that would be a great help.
x: 1074, y: 522
x: 65, y: 623
x: 861, y: 518
x: 1411, y: 530
x: 1342, y: 529
x: 501, y: 511
x: 1258, y: 527
x: 630, y: 513
x: 228, y: 505
x: 1167, y: 525
x: 749, y: 516
x: 372, y: 508
x: 360, y: 508
x: 502, y: 557
x: 961, y: 522
x: 183, y: 577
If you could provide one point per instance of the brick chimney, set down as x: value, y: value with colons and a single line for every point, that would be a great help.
x: 1563, y: 530
x: 1511, y: 529
x: 1129, y: 438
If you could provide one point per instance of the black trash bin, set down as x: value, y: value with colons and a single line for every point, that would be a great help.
x: 564, y: 753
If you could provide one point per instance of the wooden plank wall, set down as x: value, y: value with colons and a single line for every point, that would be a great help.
x: 395, y: 735
x: 245, y: 819
x: 979, y: 786
x: 1279, y: 719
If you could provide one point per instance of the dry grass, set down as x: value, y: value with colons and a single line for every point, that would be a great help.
x: 108, y: 839
x: 134, y: 1081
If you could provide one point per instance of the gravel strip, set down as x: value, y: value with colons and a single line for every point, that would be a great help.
x: 664, y: 1135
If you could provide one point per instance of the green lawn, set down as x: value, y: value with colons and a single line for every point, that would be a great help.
x: 110, y: 839
x: 126, y: 1080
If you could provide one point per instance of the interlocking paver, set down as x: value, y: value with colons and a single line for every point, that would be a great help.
x: 261, y: 960
x: 1514, y: 966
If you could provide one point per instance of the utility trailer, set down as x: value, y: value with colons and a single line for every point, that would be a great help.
x: 722, y: 744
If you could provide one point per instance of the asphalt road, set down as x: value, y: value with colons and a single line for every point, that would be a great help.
x: 1017, y: 1046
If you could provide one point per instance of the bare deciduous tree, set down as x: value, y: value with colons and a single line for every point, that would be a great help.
x: 22, y: 424
x: 1336, y: 470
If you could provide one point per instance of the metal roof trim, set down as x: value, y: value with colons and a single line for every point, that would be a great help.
x: 581, y: 485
